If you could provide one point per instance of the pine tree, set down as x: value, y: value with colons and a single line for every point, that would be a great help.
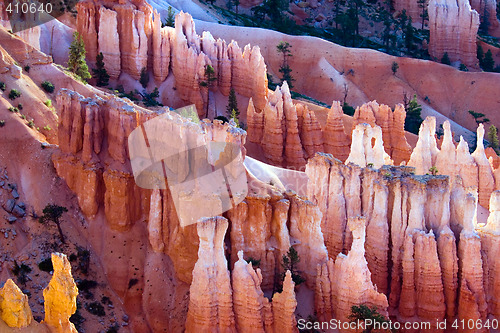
x: 170, y: 20
x: 446, y: 59
x: 289, y: 263
x: 284, y: 48
x: 480, y: 55
x: 493, y: 138
x: 394, y: 67
x: 424, y: 14
x: 53, y: 213
x: 232, y: 106
x: 488, y: 62
x: 479, y: 117
x: 76, y: 61
x: 413, y: 119
x: 369, y: 316
x: 144, y: 80
x: 100, y: 72
x: 409, y: 35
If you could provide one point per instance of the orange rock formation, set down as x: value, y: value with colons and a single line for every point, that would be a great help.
x: 453, y: 28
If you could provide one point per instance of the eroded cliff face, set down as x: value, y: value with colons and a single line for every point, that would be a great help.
x: 347, y: 282
x: 475, y: 170
x: 453, y: 26
x: 220, y: 303
x: 131, y: 38
x: 94, y: 161
x: 60, y: 296
x: 425, y: 223
x: 487, y: 10
x: 14, y: 308
x: 210, y: 296
x: 290, y: 134
x: 408, y: 237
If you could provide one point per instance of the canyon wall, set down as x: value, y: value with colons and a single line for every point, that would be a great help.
x: 453, y: 26
x: 223, y: 303
x: 289, y: 132
x: 475, y: 170
x: 421, y: 217
x: 94, y: 160
x: 487, y: 9
x: 405, y: 225
x: 131, y: 37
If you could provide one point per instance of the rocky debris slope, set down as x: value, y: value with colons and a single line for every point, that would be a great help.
x: 59, y: 301
x: 453, y: 26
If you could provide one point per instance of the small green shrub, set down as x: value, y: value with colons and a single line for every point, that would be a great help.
x: 446, y: 59
x: 150, y: 99
x: 255, y: 262
x: 2, y: 86
x: 31, y: 123
x: 84, y: 260
x: 46, y: 265
x: 27, y: 68
x: 22, y: 116
x: 144, y: 79
x: 48, y: 103
x: 20, y: 106
x: 84, y: 285
x: 21, y: 272
x: 2, y: 123
x: 14, y: 93
x: 13, y: 109
x: 463, y: 68
x: 348, y: 110
x: 394, y: 67
x: 47, y: 128
x: 48, y: 86
x: 96, y: 309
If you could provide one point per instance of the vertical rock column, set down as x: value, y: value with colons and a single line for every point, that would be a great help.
x: 453, y: 28
x: 335, y: 139
x: 60, y: 296
x: 14, y: 308
x: 210, y: 297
